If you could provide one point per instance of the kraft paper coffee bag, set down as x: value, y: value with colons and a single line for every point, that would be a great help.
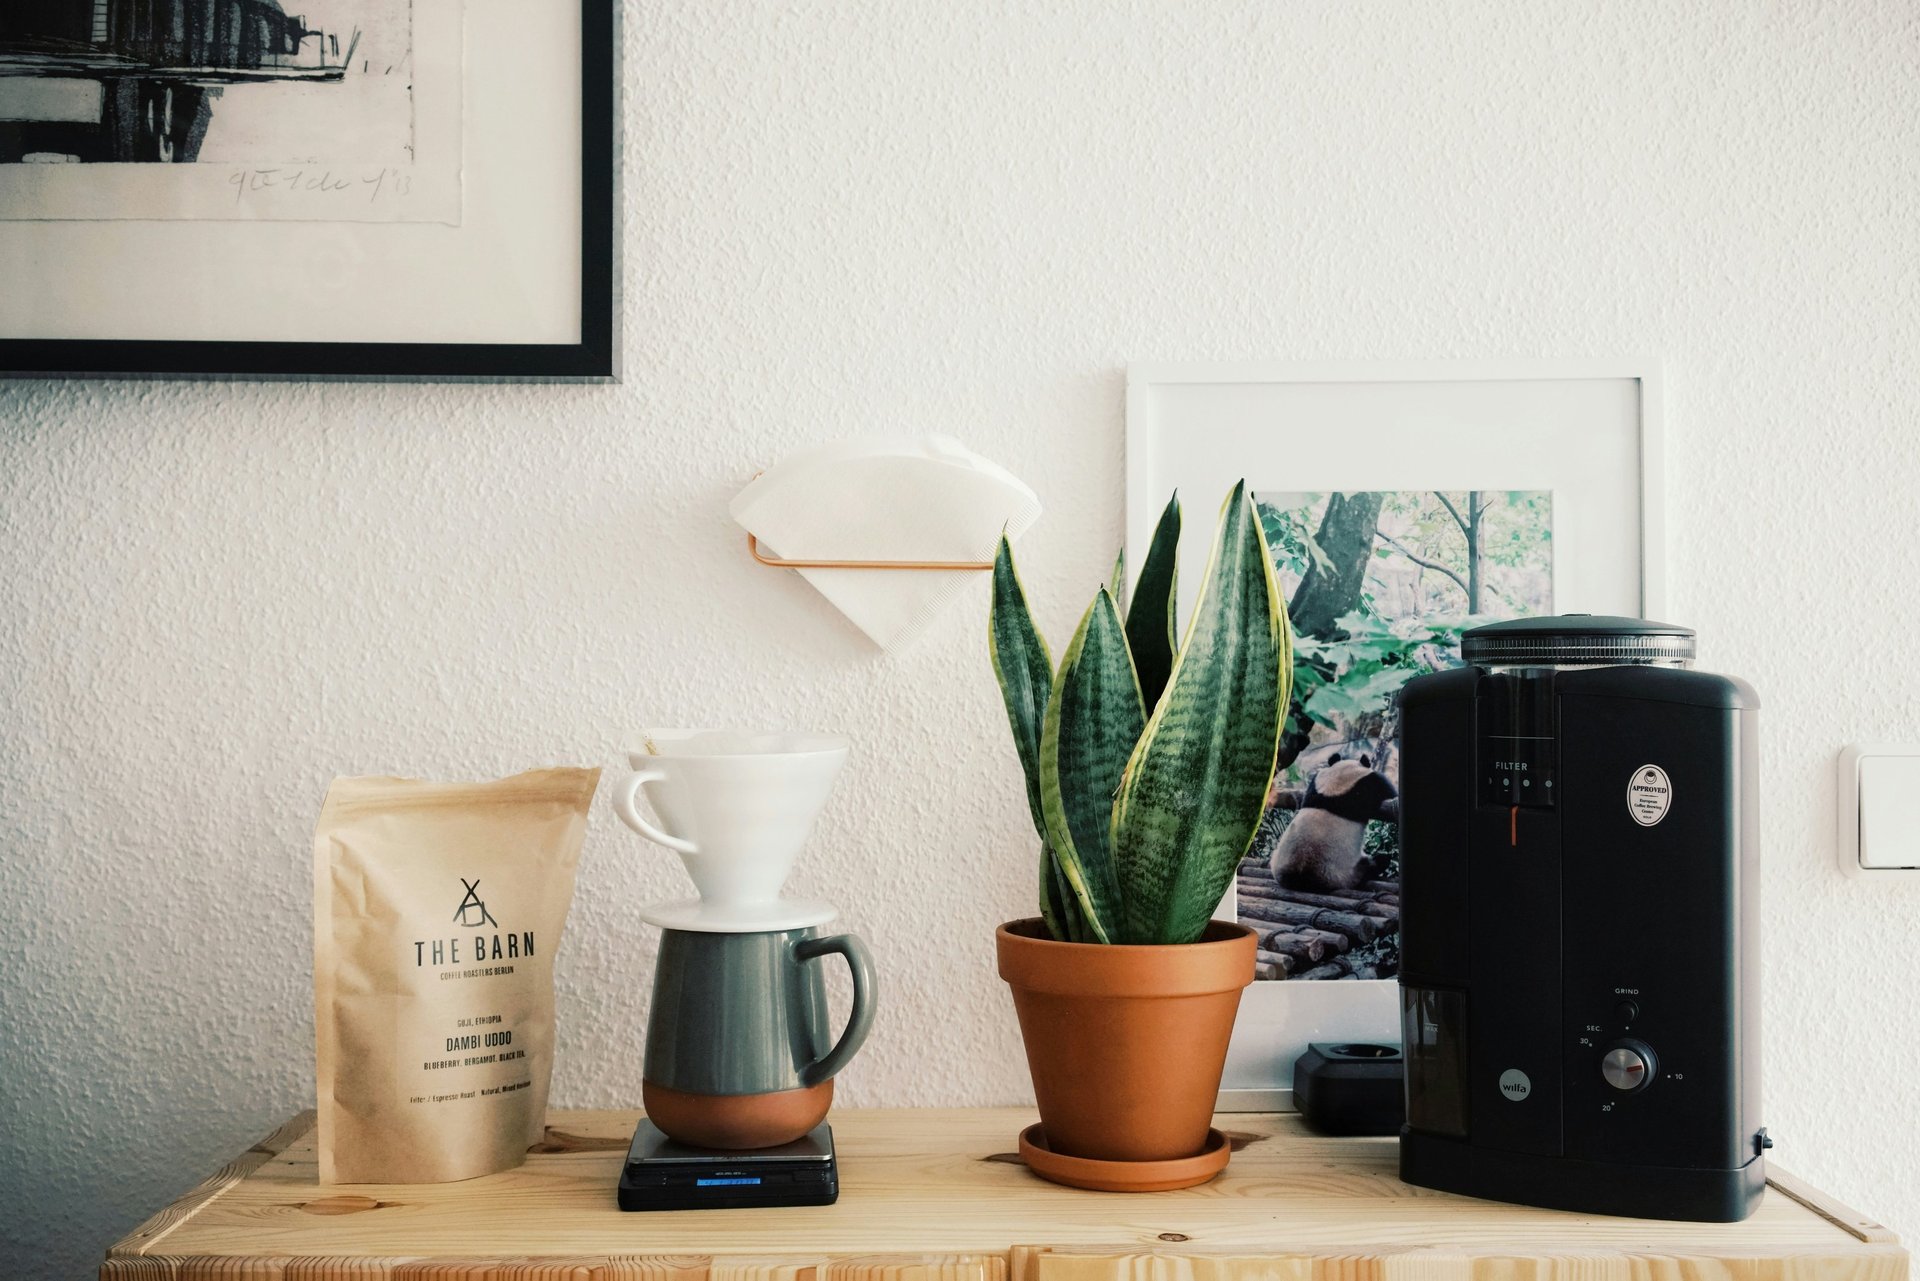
x: 437, y: 908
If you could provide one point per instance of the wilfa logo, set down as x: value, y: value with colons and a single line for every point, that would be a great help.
x: 472, y: 914
x: 463, y: 915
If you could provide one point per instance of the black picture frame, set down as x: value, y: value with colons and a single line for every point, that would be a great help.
x: 594, y: 358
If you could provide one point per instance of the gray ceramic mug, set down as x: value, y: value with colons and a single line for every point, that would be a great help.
x: 737, y: 1040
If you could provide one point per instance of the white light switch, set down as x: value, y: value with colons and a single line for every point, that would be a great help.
x: 1879, y: 804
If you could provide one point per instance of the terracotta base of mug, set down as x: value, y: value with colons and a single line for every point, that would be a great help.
x: 736, y: 1122
x: 1123, y: 1176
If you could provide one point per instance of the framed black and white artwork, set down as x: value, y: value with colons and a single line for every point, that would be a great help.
x: 375, y: 188
x: 1402, y: 503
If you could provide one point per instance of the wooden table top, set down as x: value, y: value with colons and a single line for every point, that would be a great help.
x: 939, y: 1196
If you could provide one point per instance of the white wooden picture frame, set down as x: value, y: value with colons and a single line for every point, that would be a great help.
x: 1589, y: 431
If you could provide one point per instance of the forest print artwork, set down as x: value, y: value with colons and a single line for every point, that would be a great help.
x: 1379, y: 586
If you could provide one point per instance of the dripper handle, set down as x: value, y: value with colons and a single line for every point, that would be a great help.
x: 624, y: 798
x: 859, y: 1019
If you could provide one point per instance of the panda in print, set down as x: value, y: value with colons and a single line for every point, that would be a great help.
x: 1324, y: 848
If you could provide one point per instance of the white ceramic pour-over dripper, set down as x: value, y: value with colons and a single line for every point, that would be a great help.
x: 737, y: 809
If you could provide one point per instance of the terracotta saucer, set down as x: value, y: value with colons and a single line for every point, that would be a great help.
x: 1123, y: 1176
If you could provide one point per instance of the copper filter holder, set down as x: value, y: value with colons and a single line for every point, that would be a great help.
x: 788, y: 562
x: 785, y: 562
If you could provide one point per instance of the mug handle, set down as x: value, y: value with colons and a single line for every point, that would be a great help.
x: 860, y: 1019
x: 624, y: 797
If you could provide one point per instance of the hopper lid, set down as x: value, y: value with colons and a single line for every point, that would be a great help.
x: 1577, y: 639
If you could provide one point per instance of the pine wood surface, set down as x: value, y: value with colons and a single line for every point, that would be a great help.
x: 939, y: 1196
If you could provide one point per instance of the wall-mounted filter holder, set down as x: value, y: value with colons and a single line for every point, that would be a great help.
x: 791, y: 562
x: 1878, y: 799
x: 891, y: 530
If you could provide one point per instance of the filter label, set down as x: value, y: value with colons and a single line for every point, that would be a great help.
x: 1649, y: 794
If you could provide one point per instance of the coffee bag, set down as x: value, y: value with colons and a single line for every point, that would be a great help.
x: 437, y: 909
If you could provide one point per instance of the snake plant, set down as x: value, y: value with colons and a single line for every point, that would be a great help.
x: 1147, y: 759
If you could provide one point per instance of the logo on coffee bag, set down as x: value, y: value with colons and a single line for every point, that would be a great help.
x: 472, y: 914
x: 473, y: 903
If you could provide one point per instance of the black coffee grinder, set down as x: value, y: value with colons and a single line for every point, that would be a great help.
x: 1580, y: 977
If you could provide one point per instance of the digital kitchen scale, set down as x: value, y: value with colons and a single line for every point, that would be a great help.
x: 664, y: 1175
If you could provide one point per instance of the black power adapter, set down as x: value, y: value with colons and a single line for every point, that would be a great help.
x: 1351, y: 1088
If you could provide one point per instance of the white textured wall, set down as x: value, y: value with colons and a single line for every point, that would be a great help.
x: 875, y: 217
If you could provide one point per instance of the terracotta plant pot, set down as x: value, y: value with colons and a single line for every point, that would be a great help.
x: 1126, y: 1043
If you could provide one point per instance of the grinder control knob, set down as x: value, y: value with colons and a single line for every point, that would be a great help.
x: 1627, y: 1066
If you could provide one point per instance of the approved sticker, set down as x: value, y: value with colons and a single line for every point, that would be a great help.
x: 1649, y: 793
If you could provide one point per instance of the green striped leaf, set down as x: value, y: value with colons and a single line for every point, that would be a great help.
x: 1052, y: 901
x: 1196, y: 784
x: 1024, y: 669
x: 1117, y: 582
x: 1093, y: 720
x: 1058, y: 906
x: 1151, y: 611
